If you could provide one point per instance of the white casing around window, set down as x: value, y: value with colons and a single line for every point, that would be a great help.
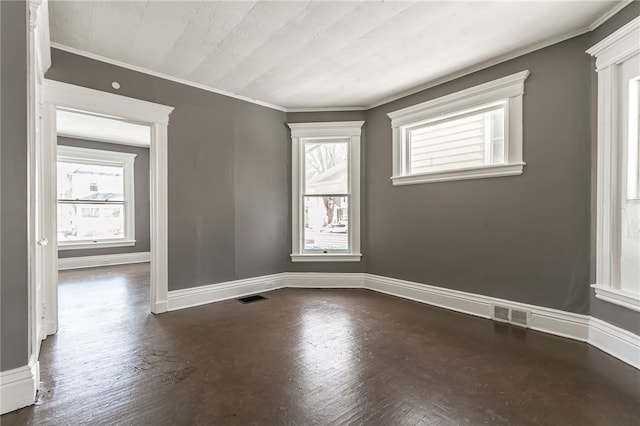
x: 350, y: 130
x: 509, y: 88
x: 611, y: 53
x: 105, y: 158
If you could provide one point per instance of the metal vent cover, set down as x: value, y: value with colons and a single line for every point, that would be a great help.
x: 520, y: 318
x: 500, y: 313
x: 251, y: 299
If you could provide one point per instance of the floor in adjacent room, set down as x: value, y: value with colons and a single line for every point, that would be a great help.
x: 302, y: 357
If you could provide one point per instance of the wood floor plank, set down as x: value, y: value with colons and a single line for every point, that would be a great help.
x: 304, y: 357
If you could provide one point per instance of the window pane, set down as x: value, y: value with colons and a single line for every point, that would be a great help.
x: 326, y: 223
x: 326, y: 168
x: 79, y: 222
x: 90, y: 182
x: 630, y: 205
x: 468, y: 141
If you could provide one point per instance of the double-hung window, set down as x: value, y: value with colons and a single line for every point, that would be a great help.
x: 326, y: 191
x: 475, y: 133
x: 618, y: 167
x: 95, y: 198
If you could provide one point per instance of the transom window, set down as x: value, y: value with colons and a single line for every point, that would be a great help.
x: 475, y: 133
x: 326, y: 191
x: 95, y: 198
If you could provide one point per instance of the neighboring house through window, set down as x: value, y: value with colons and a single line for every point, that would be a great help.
x: 618, y: 175
x: 96, y: 206
x: 326, y: 191
x: 471, y: 134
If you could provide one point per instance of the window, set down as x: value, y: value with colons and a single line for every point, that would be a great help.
x: 326, y: 191
x: 95, y: 198
x: 618, y: 197
x: 475, y: 133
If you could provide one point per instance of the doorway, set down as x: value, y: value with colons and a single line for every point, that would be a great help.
x: 56, y: 97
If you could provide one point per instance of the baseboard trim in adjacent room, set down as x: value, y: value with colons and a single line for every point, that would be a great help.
x: 103, y: 260
x: 613, y: 340
x: 18, y: 386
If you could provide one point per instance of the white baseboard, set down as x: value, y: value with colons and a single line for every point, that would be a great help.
x: 613, y: 340
x: 552, y: 321
x: 18, y: 386
x: 195, y: 296
x: 103, y: 260
x: 322, y: 280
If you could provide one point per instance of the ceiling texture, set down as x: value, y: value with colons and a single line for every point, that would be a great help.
x: 316, y: 54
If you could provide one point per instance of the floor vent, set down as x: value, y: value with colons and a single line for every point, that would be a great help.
x: 511, y: 316
x: 251, y: 299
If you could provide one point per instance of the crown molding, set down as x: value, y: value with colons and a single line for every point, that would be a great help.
x: 416, y: 89
x: 604, y: 18
x: 136, y: 68
x: 327, y: 109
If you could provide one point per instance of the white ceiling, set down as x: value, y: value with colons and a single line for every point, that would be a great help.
x: 77, y: 124
x: 314, y: 54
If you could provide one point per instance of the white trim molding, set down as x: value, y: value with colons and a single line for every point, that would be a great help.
x: 616, y: 61
x: 39, y: 25
x: 196, y: 296
x: 617, y: 47
x: 18, y: 386
x: 613, y: 340
x: 508, y: 91
x: 62, y: 95
x: 126, y: 160
x: 94, y: 101
x: 103, y: 260
x: 552, y: 321
x: 427, y: 85
x: 617, y: 296
x: 325, y: 132
x: 164, y: 76
x: 610, y: 14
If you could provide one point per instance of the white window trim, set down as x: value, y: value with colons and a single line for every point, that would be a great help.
x: 610, y: 53
x: 302, y: 131
x: 510, y: 88
x: 103, y: 158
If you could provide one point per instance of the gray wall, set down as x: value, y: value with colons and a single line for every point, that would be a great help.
x: 522, y: 238
x: 14, y: 346
x: 141, y: 190
x: 228, y: 175
x: 614, y: 314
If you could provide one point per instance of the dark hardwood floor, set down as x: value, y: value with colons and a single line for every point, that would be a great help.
x: 303, y: 357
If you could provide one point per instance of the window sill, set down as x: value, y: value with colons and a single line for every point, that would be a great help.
x: 326, y: 257
x: 623, y: 298
x: 81, y: 245
x: 482, y: 172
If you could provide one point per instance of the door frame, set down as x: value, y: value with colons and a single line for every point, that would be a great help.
x: 56, y: 94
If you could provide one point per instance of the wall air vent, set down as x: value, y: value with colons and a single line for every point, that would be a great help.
x: 511, y: 316
x: 520, y: 318
x: 500, y: 313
